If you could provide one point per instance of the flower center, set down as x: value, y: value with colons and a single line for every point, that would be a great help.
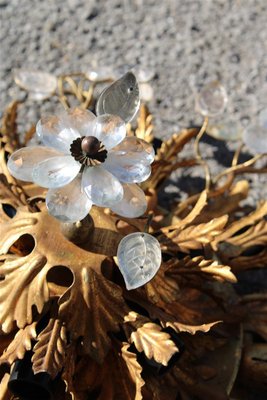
x: 88, y: 150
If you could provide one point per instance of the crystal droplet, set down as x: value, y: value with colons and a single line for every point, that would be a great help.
x: 139, y: 259
x: 211, y: 100
x: 227, y: 130
x: 39, y: 84
x: 144, y: 74
x: 100, y: 73
x: 146, y: 92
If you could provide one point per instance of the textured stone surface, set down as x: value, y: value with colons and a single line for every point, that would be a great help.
x: 186, y: 43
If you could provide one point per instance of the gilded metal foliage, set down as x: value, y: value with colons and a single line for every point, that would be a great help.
x: 63, y: 300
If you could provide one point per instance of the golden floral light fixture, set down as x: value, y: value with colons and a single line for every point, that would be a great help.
x: 69, y: 327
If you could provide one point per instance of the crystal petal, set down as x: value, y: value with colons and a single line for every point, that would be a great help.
x: 146, y: 92
x: 130, y: 169
x: 101, y: 186
x: 79, y: 120
x: 110, y: 129
x: 144, y: 74
x: 121, y: 98
x: 100, y: 73
x: 69, y: 203
x: 225, y: 129
x: 134, y: 147
x: 55, y: 172
x: 54, y: 132
x: 35, y: 81
x: 133, y: 203
x: 22, y: 161
x: 255, y: 138
x: 139, y: 259
x: 212, y: 99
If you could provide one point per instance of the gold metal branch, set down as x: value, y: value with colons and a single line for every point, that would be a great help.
x: 199, y: 155
x: 239, y: 167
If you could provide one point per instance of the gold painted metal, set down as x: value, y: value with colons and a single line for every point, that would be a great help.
x: 62, y: 296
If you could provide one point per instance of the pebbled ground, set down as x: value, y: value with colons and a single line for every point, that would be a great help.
x: 185, y: 43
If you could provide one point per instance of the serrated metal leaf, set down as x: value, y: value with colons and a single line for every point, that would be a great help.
x: 155, y: 343
x: 19, y: 345
x: 50, y: 350
x: 134, y: 368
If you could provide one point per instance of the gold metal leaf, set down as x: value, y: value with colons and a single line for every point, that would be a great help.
x: 101, y: 309
x: 175, y: 144
x: 221, y: 205
x: 192, y: 329
x: 134, y: 368
x: 50, y: 350
x: 200, y: 204
x: 11, y: 194
x: 248, y: 220
x: 23, y: 287
x: 155, y: 343
x: 212, y: 268
x: 68, y: 373
x: 162, y: 289
x: 19, y: 345
x: 166, y: 158
x: 145, y: 127
x: 193, y: 237
x: 9, y: 127
x: 242, y: 263
x: 4, y: 392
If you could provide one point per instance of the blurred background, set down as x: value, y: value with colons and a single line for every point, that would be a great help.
x: 179, y: 44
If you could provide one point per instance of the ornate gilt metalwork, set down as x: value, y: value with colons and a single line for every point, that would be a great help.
x: 63, y: 301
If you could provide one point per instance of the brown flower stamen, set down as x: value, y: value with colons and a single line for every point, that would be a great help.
x: 88, y: 150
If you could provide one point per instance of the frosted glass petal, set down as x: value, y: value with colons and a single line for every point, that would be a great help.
x: 133, y: 203
x: 212, y: 99
x: 228, y: 130
x: 144, y: 74
x: 79, y: 120
x: 139, y: 259
x: 127, y: 169
x: 37, y: 82
x: 255, y: 138
x: 146, y: 92
x: 101, y: 187
x: 22, y: 161
x: 109, y: 129
x: 121, y: 98
x: 55, y: 172
x: 134, y: 147
x: 54, y: 132
x: 100, y: 73
x: 69, y: 203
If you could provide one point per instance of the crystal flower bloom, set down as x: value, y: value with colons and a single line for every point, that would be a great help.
x: 83, y: 160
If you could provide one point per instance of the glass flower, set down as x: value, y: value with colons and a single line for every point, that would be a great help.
x: 83, y: 160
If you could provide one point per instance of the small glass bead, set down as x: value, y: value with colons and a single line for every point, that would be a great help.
x: 212, y: 99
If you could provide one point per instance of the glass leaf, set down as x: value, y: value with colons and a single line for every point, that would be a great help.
x: 139, y: 258
x: 121, y: 98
